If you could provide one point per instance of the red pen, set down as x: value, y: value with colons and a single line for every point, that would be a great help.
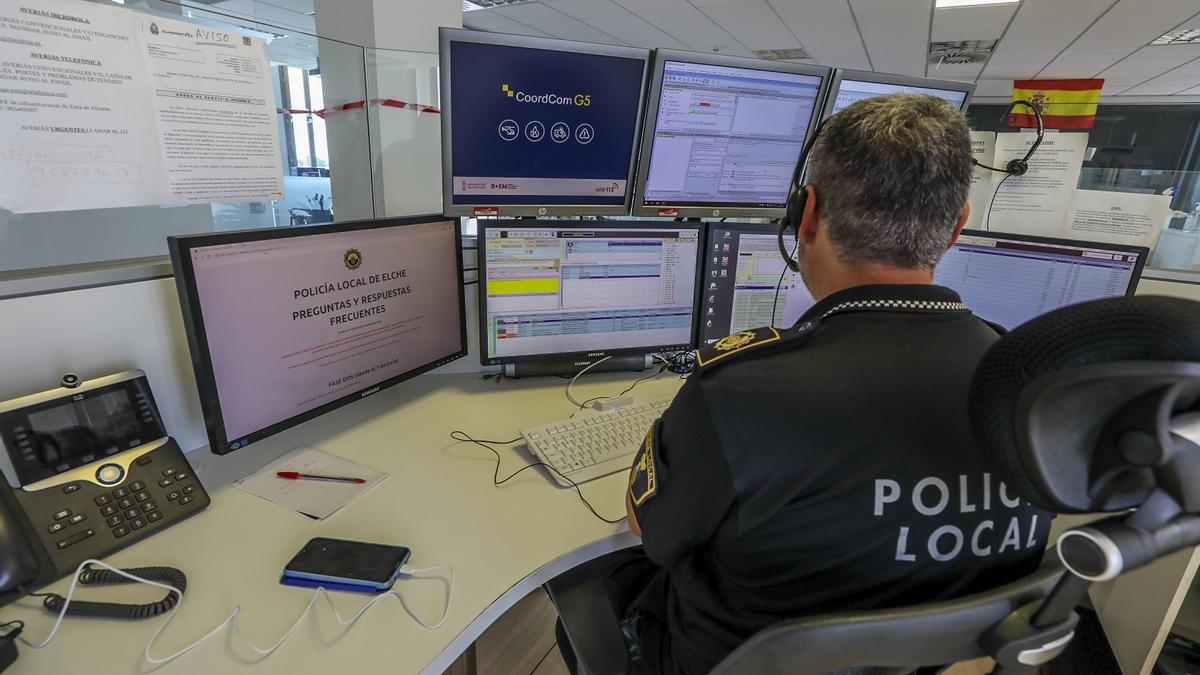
x: 295, y: 475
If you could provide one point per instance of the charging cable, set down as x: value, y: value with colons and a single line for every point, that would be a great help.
x: 233, y: 617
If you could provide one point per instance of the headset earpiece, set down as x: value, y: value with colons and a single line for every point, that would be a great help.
x: 1019, y: 166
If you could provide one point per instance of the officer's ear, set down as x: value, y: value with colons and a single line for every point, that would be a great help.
x: 810, y: 219
x: 963, y: 217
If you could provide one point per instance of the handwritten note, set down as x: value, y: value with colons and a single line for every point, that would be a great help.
x: 316, y: 499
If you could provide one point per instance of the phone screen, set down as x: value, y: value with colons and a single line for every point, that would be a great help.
x: 375, y: 563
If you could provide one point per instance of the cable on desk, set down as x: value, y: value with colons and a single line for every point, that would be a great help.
x: 627, y: 389
x: 464, y: 437
x: 448, y: 580
x: 585, y: 369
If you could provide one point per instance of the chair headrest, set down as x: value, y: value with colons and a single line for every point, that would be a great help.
x: 1053, y: 403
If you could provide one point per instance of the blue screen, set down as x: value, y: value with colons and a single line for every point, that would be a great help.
x: 535, y: 126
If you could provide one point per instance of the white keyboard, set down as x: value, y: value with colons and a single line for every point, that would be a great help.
x: 590, y: 446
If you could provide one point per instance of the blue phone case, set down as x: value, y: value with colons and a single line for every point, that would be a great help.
x: 331, y: 585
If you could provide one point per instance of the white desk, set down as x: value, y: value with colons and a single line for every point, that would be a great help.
x: 502, y: 542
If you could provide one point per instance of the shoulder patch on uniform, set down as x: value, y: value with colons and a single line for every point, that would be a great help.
x: 643, y: 478
x: 737, y: 343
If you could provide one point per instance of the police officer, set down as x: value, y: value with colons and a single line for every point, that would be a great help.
x: 829, y: 466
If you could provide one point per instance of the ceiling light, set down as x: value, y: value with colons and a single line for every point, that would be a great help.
x: 781, y: 54
x: 941, y: 4
x: 473, y: 5
x: 1183, y: 36
x: 469, y: 6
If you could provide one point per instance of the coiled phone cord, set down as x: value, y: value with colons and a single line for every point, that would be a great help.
x: 174, y: 578
x: 175, y: 592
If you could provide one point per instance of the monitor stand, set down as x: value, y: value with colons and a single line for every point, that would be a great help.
x: 570, y: 366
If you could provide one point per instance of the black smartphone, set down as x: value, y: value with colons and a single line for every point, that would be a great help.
x: 375, y: 566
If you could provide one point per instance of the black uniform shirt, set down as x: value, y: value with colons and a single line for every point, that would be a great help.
x: 824, y: 468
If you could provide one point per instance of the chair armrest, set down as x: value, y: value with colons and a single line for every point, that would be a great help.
x: 590, y: 621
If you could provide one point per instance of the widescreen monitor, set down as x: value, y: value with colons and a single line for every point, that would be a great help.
x: 570, y: 294
x: 742, y: 269
x: 852, y: 86
x: 1011, y: 278
x: 1005, y: 278
x: 723, y: 134
x: 535, y: 126
x: 287, y: 324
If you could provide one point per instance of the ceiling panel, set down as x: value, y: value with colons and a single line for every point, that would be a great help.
x: 634, y: 31
x: 492, y: 22
x: 581, y: 9
x: 971, y: 23
x: 686, y: 24
x: 755, y: 25
x: 827, y: 31
x: 1039, y: 31
x: 883, y: 21
x: 528, y: 13
x: 574, y: 29
x: 963, y: 72
x: 1128, y: 26
x: 994, y: 88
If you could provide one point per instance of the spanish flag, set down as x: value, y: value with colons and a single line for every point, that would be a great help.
x: 1064, y: 104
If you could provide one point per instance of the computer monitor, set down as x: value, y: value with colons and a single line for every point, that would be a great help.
x: 742, y: 269
x: 535, y: 126
x: 851, y: 86
x: 723, y: 134
x: 1010, y: 278
x: 287, y: 324
x: 1005, y: 278
x: 554, y: 298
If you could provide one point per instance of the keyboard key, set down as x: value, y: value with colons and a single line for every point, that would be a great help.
x: 179, y: 475
x: 120, y: 531
x: 142, y: 496
x: 189, y: 489
x: 172, y: 496
x: 154, y: 516
x: 68, y: 489
x: 102, y: 500
x: 56, y: 527
x: 125, y: 503
x: 77, y: 518
x: 114, y: 521
x: 108, y: 510
x: 131, y: 514
x: 137, y: 486
x: 62, y: 514
x: 143, y: 460
x: 149, y: 506
x: 120, y: 493
x: 168, y: 471
x: 75, y: 539
x: 186, y: 500
x: 165, y: 482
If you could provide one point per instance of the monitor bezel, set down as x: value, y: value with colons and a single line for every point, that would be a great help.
x: 842, y: 74
x: 180, y: 248
x: 448, y: 35
x: 590, y: 354
x: 1142, y: 252
x: 650, y: 123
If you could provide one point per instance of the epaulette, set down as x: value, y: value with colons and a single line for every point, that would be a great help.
x: 751, y: 341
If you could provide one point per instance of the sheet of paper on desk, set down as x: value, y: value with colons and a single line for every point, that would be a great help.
x: 316, y: 499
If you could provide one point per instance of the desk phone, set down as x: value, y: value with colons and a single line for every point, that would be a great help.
x: 88, y: 469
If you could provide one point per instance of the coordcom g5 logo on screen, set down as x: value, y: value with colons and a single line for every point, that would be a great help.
x: 578, y: 100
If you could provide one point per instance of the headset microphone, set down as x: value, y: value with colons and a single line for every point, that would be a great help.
x: 1020, y: 165
x: 797, y: 198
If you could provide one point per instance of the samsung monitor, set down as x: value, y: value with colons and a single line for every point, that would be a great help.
x: 723, y: 134
x: 742, y: 270
x: 535, y: 126
x: 1011, y: 278
x: 558, y: 297
x: 287, y: 324
x: 851, y: 86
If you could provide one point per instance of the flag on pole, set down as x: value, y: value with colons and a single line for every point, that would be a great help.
x: 1064, y: 104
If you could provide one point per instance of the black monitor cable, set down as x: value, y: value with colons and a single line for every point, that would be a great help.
x: 464, y: 437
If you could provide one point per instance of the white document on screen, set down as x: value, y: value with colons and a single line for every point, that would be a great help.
x: 94, y: 116
x: 1037, y: 203
x: 983, y: 181
x: 214, y: 104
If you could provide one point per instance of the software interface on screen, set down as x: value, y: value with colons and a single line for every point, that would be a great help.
x: 1011, y: 281
x: 540, y: 126
x: 294, y: 323
x: 741, y: 270
x: 557, y: 290
x: 727, y: 135
x: 853, y: 91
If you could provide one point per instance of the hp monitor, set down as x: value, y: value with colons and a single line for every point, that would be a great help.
x: 535, y: 126
x: 555, y: 298
x: 288, y: 324
x: 723, y: 134
x: 851, y: 86
x: 1010, y: 278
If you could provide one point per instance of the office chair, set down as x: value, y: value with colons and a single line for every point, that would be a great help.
x: 1092, y: 408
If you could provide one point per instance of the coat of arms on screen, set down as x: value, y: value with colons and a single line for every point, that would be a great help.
x: 353, y: 259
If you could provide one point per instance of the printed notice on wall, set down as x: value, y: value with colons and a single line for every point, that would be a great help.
x: 1117, y: 217
x: 983, y: 182
x: 1037, y: 203
x: 94, y: 99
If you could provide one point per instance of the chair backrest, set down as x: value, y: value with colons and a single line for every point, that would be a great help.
x: 904, y: 638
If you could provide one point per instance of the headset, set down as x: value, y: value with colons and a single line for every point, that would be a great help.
x: 798, y: 196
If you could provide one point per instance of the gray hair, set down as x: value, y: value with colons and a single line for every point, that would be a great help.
x: 891, y: 175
